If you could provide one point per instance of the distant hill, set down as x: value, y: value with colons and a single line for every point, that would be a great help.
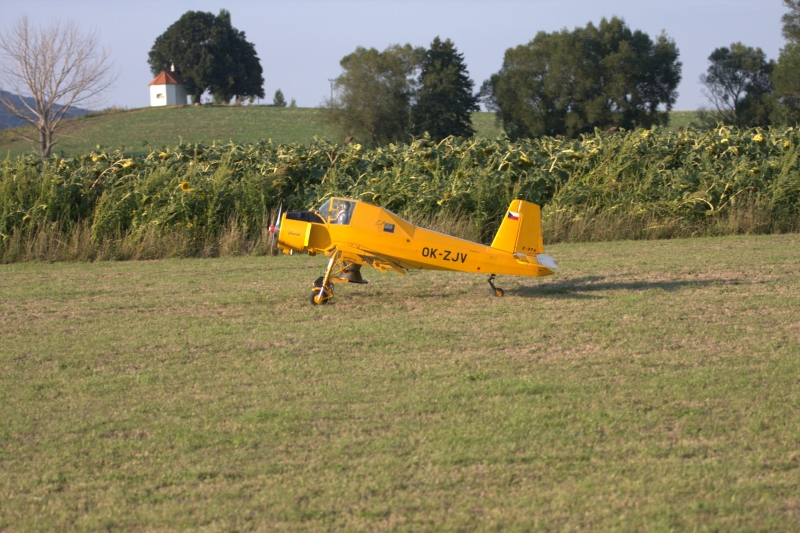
x: 141, y: 130
x: 7, y: 120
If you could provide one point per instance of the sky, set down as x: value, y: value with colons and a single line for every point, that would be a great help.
x: 300, y: 42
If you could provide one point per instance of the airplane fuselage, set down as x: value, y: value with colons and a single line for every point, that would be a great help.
x: 376, y: 237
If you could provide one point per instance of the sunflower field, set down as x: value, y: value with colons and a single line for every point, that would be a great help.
x: 659, y: 184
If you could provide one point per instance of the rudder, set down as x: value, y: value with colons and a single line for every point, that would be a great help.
x: 521, y: 229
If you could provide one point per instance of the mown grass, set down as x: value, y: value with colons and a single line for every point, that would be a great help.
x: 649, y: 386
x: 142, y: 130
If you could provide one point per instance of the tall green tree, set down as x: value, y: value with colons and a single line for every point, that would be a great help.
x: 738, y: 85
x: 786, y: 80
x: 239, y: 75
x: 210, y: 55
x: 374, y: 93
x: 567, y: 83
x: 444, y: 101
x: 791, y: 21
x: 786, y: 74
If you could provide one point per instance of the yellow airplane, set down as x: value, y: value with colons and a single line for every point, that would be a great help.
x: 354, y: 233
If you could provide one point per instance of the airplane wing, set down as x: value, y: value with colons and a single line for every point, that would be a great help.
x: 361, y: 256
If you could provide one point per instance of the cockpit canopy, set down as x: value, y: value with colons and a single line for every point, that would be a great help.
x: 337, y: 210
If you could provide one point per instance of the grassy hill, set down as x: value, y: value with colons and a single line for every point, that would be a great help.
x: 682, y: 119
x: 141, y: 130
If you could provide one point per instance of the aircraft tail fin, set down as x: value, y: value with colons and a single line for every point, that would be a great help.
x: 521, y: 230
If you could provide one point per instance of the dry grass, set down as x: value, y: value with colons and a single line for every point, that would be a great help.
x: 50, y: 242
x: 591, y: 225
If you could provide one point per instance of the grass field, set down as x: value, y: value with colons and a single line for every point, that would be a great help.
x: 649, y: 386
x: 682, y: 119
x: 142, y: 130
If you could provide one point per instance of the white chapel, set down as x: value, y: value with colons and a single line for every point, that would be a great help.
x: 167, y: 89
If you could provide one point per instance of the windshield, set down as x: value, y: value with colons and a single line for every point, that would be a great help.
x: 325, y: 209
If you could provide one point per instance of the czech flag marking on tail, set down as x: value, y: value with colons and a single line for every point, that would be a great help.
x: 513, y: 216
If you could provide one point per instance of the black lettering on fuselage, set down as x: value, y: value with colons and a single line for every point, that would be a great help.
x: 429, y: 252
x: 447, y: 255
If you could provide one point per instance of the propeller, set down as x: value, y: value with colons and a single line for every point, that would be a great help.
x: 275, y: 229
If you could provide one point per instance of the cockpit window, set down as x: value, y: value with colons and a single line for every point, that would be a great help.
x: 341, y: 211
x: 337, y: 211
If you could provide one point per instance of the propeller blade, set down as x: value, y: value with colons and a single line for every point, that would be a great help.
x: 275, y: 229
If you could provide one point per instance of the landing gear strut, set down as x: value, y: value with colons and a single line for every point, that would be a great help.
x: 338, y: 271
x: 497, y: 291
x: 323, y: 288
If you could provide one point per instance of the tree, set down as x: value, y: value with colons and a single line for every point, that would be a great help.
x: 210, y: 55
x: 373, y: 94
x: 567, y: 83
x: 58, y: 67
x: 786, y: 74
x: 278, y: 100
x: 444, y: 101
x: 786, y: 81
x: 791, y: 21
x: 738, y: 85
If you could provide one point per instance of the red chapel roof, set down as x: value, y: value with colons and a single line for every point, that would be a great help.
x: 167, y: 78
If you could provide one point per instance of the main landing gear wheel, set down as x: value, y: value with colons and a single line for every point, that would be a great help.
x: 325, y: 296
x: 497, y: 291
x: 323, y: 288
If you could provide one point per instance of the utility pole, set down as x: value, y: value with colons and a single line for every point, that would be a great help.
x: 331, y: 80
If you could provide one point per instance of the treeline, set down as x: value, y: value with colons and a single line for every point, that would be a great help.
x: 211, y: 200
x: 403, y: 92
x: 563, y: 83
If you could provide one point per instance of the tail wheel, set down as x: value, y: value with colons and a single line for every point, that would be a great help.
x: 497, y: 290
x: 327, y: 295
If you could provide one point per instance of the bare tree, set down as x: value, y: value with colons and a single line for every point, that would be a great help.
x: 58, y: 67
